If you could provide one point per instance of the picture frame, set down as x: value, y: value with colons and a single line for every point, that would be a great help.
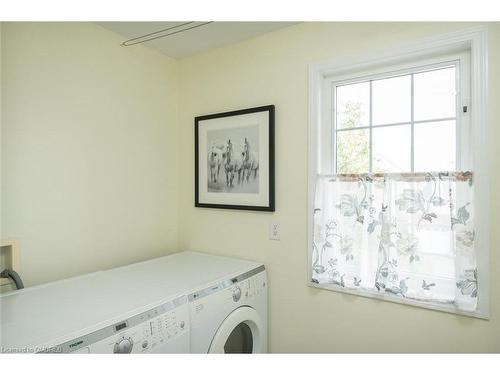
x: 234, y: 159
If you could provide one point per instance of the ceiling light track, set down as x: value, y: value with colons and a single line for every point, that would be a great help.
x: 159, y: 34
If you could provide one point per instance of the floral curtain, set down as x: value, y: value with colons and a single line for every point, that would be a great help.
x: 407, y: 235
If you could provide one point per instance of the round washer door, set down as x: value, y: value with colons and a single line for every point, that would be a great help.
x: 240, y: 332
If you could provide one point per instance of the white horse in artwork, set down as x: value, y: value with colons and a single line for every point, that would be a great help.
x: 233, y: 163
x: 250, y: 161
x: 215, y: 158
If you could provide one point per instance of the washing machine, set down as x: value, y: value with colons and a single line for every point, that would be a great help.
x: 230, y: 316
x: 94, y: 313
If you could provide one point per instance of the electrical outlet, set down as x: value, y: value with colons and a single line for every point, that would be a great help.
x: 274, y: 230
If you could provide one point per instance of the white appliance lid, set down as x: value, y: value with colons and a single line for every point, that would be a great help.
x: 50, y: 313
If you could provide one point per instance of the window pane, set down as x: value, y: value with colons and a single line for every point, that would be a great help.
x: 435, y: 94
x: 435, y: 146
x: 391, y: 100
x: 392, y: 149
x: 353, y: 105
x: 352, y: 151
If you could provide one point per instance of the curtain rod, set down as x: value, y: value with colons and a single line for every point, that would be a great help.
x: 154, y: 35
x: 454, y: 175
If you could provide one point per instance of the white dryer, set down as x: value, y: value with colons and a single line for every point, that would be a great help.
x: 230, y: 316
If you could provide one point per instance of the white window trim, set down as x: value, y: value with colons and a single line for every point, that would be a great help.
x: 321, y: 146
x: 461, y: 63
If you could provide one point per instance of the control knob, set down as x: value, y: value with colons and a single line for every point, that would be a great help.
x: 124, y: 346
x: 236, y: 294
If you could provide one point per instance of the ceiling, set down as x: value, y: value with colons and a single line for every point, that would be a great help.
x: 195, y: 40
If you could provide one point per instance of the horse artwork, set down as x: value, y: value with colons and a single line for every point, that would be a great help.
x: 233, y: 164
x: 215, y: 157
x: 250, y: 161
x: 234, y: 159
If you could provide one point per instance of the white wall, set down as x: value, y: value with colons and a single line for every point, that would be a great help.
x: 89, y: 149
x: 98, y: 171
x: 273, y: 69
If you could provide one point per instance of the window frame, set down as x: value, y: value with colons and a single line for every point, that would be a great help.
x: 474, y: 142
x: 460, y: 61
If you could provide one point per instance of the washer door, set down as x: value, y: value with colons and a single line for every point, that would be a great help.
x: 240, y: 332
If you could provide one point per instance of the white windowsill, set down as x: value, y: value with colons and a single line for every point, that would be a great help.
x: 384, y: 297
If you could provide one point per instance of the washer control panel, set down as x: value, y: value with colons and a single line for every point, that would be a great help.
x: 148, y: 332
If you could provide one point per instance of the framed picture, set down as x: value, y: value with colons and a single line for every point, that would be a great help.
x: 234, y: 159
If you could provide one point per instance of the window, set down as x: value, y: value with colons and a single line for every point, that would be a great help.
x: 402, y: 121
x: 398, y: 175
